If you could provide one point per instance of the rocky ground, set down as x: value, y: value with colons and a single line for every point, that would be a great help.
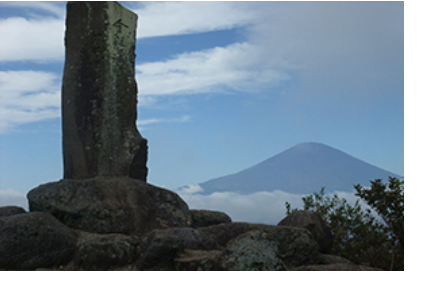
x: 39, y: 241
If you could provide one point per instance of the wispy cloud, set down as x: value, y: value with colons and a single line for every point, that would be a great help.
x: 177, y: 18
x: 31, y: 39
x: 351, y: 50
x: 53, y: 8
x: 238, y: 67
x: 345, y: 49
x: 28, y: 96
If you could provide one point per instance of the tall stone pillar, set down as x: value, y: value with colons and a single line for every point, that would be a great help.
x: 99, y: 93
x: 104, y: 189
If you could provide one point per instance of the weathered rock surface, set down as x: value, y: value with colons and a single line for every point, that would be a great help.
x: 202, y: 218
x: 11, y: 210
x: 252, y: 251
x: 99, y: 93
x: 110, y: 205
x: 34, y: 240
x: 159, y: 248
x: 199, y: 260
x: 105, y: 252
x: 296, y: 246
x: 314, y: 223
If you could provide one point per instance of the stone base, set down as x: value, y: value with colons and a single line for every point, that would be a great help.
x: 110, y: 205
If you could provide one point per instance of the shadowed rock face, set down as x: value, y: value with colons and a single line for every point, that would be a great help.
x: 110, y: 205
x: 99, y: 93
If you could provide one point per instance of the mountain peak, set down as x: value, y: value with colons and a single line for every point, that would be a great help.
x: 302, y: 169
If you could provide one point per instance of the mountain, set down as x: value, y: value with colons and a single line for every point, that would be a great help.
x: 302, y: 169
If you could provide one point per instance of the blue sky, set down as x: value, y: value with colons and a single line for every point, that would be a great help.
x: 222, y: 86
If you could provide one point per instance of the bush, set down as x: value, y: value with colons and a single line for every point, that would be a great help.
x: 358, y: 235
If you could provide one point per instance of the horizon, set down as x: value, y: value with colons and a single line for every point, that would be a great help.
x: 217, y: 94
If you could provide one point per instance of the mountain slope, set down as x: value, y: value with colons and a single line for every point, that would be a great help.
x: 302, y: 169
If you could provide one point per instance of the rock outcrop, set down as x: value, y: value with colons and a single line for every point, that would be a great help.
x: 11, y: 210
x: 105, y: 252
x: 252, y: 250
x: 110, y: 205
x: 296, y: 246
x: 34, y: 240
x: 203, y: 218
x: 314, y: 223
x: 37, y: 241
x: 159, y: 248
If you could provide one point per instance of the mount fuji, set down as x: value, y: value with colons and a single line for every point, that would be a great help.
x: 302, y: 169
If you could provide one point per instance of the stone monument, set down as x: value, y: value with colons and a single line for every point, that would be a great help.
x: 99, y: 93
x: 104, y: 188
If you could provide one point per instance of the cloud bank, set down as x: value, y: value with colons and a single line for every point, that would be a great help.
x: 259, y: 207
x: 180, y: 18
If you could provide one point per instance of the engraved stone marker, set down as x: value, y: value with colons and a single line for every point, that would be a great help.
x: 104, y: 189
x: 99, y: 93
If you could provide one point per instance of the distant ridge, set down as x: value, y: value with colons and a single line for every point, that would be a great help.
x: 302, y: 169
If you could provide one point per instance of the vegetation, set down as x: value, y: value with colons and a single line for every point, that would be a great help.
x: 359, y: 235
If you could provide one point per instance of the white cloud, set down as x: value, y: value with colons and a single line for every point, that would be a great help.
x: 238, y: 67
x: 56, y: 8
x: 259, y: 207
x: 31, y: 39
x: 351, y: 50
x: 191, y: 189
x: 176, y: 18
x: 28, y: 96
x: 341, y: 50
x: 11, y: 197
x: 344, y: 49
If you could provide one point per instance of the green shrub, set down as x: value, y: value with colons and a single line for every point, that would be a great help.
x: 358, y: 235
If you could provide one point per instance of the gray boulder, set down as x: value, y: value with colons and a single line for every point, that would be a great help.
x: 315, y: 224
x: 199, y: 260
x: 159, y: 248
x: 105, y: 252
x: 202, y: 218
x: 34, y: 240
x: 252, y: 251
x: 11, y: 210
x: 110, y: 205
x: 296, y: 246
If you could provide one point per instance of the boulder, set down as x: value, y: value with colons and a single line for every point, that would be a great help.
x: 296, y: 246
x: 11, y: 210
x: 252, y: 250
x: 105, y: 252
x: 158, y: 249
x: 315, y: 224
x: 110, y: 205
x: 34, y: 240
x: 198, y: 260
x: 202, y: 218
